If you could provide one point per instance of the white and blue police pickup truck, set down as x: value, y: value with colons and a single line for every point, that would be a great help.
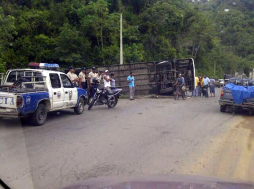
x: 32, y: 93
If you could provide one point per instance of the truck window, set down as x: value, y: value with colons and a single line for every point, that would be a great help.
x: 28, y: 74
x: 66, y: 81
x: 38, y: 74
x: 12, y: 77
x: 20, y: 74
x: 55, y: 81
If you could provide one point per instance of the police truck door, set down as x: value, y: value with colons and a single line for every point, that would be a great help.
x: 70, y: 92
x: 57, y: 92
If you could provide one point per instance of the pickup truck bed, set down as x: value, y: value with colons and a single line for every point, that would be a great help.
x: 226, y: 100
x: 8, y: 103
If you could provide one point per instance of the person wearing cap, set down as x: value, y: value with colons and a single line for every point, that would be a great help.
x: 72, y: 76
x: 92, y: 75
x: 83, y: 79
x: 131, y: 81
x: 106, y: 80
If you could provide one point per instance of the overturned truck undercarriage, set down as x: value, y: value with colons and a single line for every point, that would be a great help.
x: 154, y: 77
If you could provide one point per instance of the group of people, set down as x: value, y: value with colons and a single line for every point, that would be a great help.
x: 85, y: 80
x: 202, y: 84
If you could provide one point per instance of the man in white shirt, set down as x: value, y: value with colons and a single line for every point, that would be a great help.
x: 83, y: 79
x: 72, y: 76
x: 106, y: 80
x: 206, y: 85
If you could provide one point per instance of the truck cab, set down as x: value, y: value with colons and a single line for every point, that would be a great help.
x: 43, y: 91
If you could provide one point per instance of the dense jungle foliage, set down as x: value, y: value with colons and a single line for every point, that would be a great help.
x: 218, y: 34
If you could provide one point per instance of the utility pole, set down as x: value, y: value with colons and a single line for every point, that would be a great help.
x: 121, y: 39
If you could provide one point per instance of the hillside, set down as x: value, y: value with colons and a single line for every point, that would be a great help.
x: 218, y: 34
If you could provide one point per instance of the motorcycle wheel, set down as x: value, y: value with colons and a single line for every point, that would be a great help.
x: 113, y: 104
x: 91, y: 104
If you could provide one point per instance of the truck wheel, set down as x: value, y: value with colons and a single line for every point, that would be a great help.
x: 40, y: 115
x: 223, y: 108
x: 79, y: 109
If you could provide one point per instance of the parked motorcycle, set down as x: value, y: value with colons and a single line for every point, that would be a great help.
x: 103, y: 96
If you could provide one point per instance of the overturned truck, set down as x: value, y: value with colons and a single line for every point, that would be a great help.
x: 154, y: 77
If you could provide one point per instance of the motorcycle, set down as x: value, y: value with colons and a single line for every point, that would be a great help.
x: 103, y: 96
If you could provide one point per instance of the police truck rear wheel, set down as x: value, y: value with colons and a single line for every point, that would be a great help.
x: 80, y: 107
x: 40, y: 115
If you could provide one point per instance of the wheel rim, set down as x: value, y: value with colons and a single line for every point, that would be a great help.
x: 112, y: 101
x: 41, y: 115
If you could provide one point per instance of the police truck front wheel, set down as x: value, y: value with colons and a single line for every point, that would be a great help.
x: 79, y: 109
x: 40, y: 115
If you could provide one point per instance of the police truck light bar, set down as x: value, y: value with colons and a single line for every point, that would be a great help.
x: 46, y: 66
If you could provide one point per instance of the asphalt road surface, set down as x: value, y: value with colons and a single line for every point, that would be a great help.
x: 141, y: 137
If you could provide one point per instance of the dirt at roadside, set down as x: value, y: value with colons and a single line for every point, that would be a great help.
x: 230, y: 155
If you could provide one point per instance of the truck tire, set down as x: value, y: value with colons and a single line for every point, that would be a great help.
x: 223, y: 108
x: 40, y: 115
x: 79, y: 109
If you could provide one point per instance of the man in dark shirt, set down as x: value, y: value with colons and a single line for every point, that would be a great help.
x: 180, y: 81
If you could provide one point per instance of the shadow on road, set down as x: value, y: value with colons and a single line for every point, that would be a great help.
x: 10, y: 122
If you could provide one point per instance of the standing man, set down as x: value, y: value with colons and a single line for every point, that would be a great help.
x: 131, y: 81
x: 206, y: 85
x: 83, y: 79
x: 72, y: 76
x: 199, y: 86
x: 106, y: 80
x: 212, y: 87
x: 92, y: 75
x: 100, y: 75
x: 196, y: 90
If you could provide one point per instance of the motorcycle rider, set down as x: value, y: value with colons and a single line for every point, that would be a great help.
x: 113, y: 81
x: 106, y: 80
x: 180, y: 82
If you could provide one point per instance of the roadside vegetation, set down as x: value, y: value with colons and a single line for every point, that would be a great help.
x: 218, y: 34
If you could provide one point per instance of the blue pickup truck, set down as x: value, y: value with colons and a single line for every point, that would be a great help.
x: 42, y: 91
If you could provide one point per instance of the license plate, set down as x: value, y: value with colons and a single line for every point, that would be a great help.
x: 6, y: 101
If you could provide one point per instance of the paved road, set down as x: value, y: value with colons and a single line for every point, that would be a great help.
x: 141, y: 137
